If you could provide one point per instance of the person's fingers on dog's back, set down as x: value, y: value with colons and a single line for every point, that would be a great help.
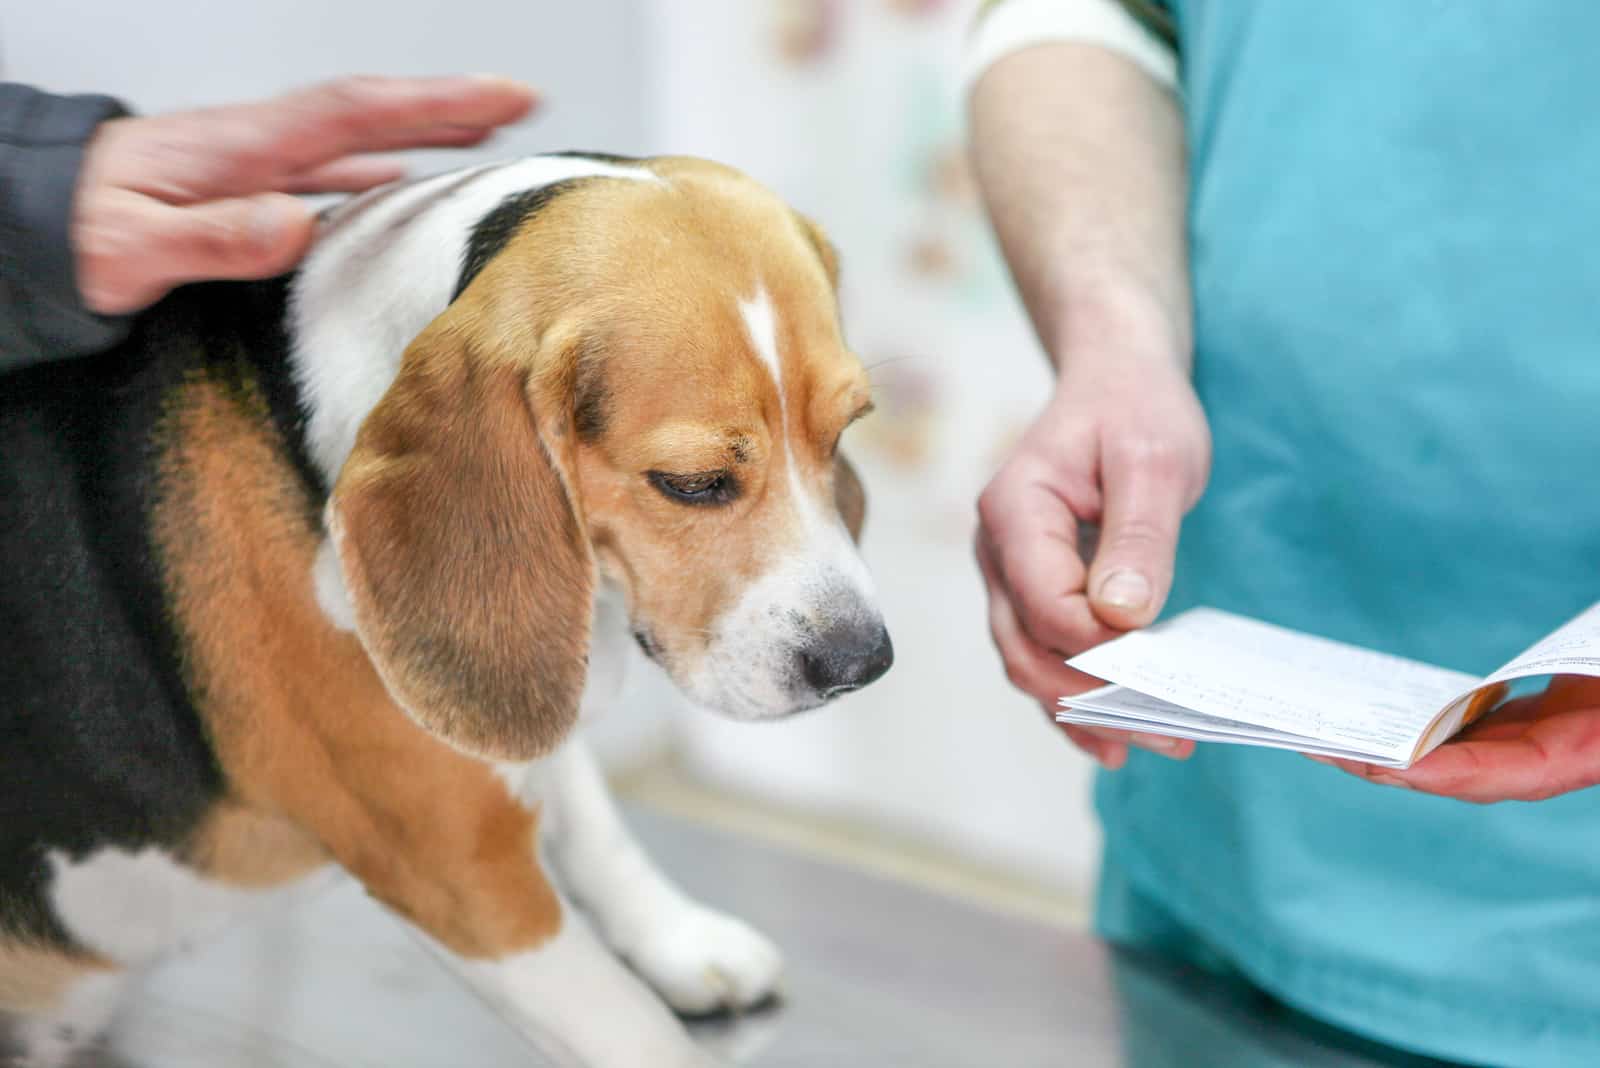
x: 1146, y: 485
x: 242, y: 149
x: 129, y: 258
x: 244, y: 237
x: 355, y: 115
x: 353, y: 174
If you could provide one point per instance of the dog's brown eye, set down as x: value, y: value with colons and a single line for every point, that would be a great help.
x: 706, y: 487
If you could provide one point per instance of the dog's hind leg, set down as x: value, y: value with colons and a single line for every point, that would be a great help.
x: 53, y: 1004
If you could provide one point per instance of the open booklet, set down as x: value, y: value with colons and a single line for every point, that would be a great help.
x: 1217, y: 677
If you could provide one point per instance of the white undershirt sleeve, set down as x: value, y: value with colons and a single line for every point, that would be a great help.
x: 1012, y: 25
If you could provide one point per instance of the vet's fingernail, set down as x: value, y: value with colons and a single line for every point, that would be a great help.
x: 1125, y: 589
x: 1159, y: 744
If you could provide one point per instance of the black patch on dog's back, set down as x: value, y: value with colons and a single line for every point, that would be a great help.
x: 496, y: 229
x: 600, y: 157
x: 258, y: 336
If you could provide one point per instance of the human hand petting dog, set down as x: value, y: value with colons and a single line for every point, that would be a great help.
x: 200, y: 195
x: 1122, y: 444
x: 1529, y: 749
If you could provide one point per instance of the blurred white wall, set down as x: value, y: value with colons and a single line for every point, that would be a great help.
x: 849, y: 108
x: 158, y: 55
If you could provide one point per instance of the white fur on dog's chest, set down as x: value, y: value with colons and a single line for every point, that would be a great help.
x: 610, y: 648
x: 135, y: 907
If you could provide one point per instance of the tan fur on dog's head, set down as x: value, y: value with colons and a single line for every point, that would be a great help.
x: 647, y: 380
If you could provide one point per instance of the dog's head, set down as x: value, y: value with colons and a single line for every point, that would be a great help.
x: 643, y: 380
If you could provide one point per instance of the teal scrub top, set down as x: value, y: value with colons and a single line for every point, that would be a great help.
x: 1395, y: 226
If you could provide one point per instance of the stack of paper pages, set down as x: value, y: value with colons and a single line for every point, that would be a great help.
x: 1217, y: 677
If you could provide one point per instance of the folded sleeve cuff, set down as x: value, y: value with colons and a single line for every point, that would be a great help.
x: 42, y: 139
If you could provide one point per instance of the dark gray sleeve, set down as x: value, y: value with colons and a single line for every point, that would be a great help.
x: 42, y: 316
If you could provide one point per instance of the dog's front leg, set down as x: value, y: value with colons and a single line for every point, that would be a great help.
x: 442, y: 840
x: 579, y: 1005
x: 700, y: 960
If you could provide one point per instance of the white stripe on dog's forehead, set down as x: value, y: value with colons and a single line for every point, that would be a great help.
x: 762, y: 324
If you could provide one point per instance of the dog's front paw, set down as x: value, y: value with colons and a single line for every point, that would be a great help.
x: 702, y: 961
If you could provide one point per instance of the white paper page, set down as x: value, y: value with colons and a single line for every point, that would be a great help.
x: 1125, y: 709
x: 1176, y: 722
x: 1572, y: 650
x: 1123, y: 703
x: 1239, y: 669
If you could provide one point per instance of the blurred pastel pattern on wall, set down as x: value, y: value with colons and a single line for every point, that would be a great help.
x: 852, y: 110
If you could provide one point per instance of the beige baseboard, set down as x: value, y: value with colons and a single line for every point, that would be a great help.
x: 663, y: 785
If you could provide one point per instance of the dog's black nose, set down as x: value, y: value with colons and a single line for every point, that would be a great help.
x: 846, y: 658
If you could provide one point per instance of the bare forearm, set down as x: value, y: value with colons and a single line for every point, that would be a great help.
x: 1079, y: 154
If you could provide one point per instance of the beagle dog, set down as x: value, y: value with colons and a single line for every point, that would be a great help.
x: 325, y: 570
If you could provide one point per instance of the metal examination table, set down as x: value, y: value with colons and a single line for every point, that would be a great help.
x: 880, y: 975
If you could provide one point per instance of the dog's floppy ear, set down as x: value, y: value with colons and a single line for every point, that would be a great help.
x: 464, y: 554
x: 849, y: 496
x: 825, y: 250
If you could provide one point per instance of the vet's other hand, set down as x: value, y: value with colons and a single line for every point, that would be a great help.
x: 1123, y: 444
x: 1529, y: 749
x: 200, y: 195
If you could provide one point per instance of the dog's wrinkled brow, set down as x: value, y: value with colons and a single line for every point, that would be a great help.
x: 591, y: 401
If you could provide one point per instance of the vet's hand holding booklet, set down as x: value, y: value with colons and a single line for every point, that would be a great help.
x: 1218, y: 677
